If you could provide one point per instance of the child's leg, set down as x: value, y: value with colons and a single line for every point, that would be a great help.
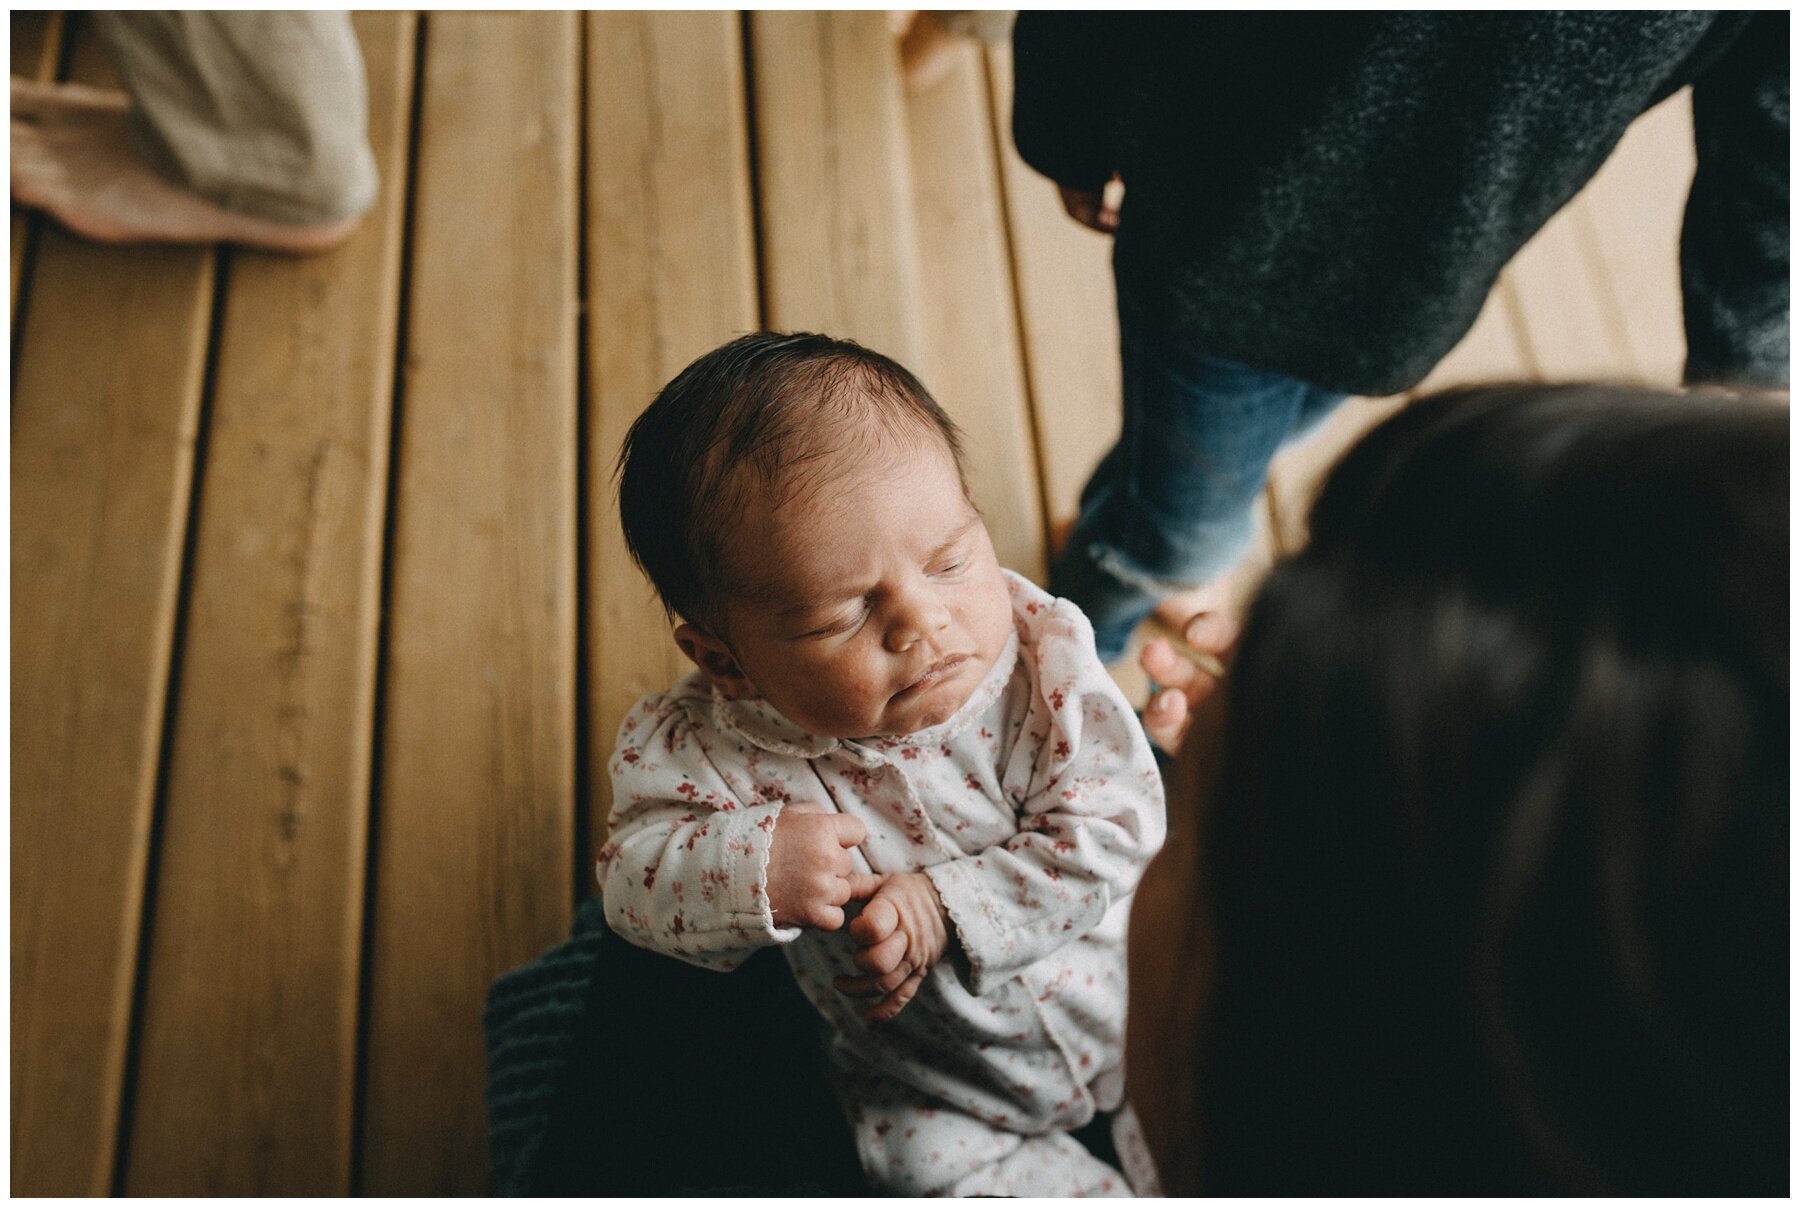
x: 1170, y: 506
x: 910, y: 1147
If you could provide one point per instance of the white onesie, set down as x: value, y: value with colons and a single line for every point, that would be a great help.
x: 1033, y: 809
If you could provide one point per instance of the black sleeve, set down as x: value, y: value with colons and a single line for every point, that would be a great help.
x: 1734, y: 239
x: 1065, y: 84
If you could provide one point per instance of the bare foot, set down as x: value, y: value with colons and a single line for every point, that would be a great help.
x: 1174, y: 612
x: 73, y: 157
x: 1187, y: 659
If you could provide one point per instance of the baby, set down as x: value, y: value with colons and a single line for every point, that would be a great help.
x: 881, y: 714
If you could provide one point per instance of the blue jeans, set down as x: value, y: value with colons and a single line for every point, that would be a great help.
x: 1170, y: 506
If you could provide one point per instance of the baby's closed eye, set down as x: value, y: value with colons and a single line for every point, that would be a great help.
x: 841, y: 623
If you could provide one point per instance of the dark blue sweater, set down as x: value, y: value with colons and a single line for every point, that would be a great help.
x: 1331, y: 196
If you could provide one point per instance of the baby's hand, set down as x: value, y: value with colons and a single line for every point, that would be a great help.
x: 810, y: 875
x: 903, y: 932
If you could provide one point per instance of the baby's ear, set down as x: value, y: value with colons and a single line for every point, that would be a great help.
x: 715, y: 660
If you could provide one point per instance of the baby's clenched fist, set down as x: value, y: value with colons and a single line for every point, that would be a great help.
x: 903, y: 932
x: 810, y: 874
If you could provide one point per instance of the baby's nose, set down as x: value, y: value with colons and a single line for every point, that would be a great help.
x: 901, y: 638
x: 913, y: 625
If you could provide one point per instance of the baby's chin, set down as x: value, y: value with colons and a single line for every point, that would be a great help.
x: 939, y: 705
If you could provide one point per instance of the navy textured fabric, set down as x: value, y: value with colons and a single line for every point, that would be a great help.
x: 1330, y: 196
x: 615, y: 1071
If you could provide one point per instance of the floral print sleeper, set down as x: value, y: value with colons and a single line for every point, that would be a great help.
x: 1034, y: 810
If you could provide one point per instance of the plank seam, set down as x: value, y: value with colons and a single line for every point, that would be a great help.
x: 1600, y: 282
x: 1521, y: 327
x: 383, y: 635
x: 758, y: 234
x: 1010, y: 238
x: 159, y: 808
x: 65, y: 51
x: 583, y: 744
x: 27, y: 262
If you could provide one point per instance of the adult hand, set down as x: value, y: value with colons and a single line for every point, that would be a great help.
x: 1094, y: 208
x: 1185, y: 681
x: 810, y: 874
x: 903, y: 932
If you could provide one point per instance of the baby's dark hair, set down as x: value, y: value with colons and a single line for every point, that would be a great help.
x: 771, y: 408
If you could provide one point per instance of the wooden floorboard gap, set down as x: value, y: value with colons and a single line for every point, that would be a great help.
x: 383, y: 634
x: 146, y: 940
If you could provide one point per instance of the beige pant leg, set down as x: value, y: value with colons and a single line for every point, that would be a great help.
x: 264, y: 113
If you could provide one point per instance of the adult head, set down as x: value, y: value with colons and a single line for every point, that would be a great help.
x: 1496, y: 856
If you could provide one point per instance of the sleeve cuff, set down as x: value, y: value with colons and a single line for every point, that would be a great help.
x: 980, y: 961
x: 746, y: 838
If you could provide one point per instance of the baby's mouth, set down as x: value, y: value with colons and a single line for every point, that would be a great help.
x: 934, y: 673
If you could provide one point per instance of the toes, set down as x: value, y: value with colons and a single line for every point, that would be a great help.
x: 27, y: 98
x: 1212, y: 631
x: 1166, y: 720
x: 33, y: 169
x: 36, y: 100
x: 1162, y: 664
x: 1167, y: 708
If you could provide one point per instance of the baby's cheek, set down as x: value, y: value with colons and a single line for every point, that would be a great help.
x: 996, y: 616
x: 857, y: 693
x: 872, y: 689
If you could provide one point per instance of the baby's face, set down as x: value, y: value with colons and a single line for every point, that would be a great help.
x: 874, y: 603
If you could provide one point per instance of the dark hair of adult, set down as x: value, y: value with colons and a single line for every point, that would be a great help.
x: 1498, y: 856
x: 771, y: 408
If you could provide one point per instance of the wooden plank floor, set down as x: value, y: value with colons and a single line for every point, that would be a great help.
x: 322, y: 623
x: 264, y: 820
